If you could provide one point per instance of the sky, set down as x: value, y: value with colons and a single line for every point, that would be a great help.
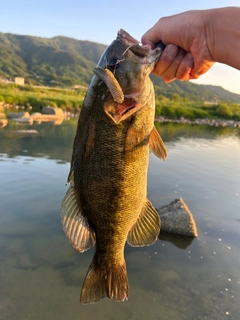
x: 99, y: 21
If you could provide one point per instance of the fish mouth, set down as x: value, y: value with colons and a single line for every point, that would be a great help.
x: 143, y: 52
x: 126, y: 102
x: 122, y: 111
x: 128, y: 40
x: 130, y: 106
x: 126, y: 108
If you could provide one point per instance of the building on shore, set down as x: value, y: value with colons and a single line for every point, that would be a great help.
x: 19, y: 81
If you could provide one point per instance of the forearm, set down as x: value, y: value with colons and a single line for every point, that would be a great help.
x: 222, y: 27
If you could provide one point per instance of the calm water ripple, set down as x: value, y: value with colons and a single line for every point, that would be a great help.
x: 177, y: 279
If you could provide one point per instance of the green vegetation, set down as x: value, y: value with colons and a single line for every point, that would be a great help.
x: 66, y: 99
x: 58, y: 61
x: 64, y: 62
x: 71, y: 100
x: 177, y: 107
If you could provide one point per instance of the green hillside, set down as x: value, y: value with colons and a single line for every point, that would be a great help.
x: 192, y: 91
x: 63, y: 62
x: 53, y: 61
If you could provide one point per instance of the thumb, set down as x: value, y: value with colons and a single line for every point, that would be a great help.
x: 146, y: 41
x: 151, y: 37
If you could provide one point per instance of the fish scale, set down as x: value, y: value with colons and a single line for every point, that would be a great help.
x: 106, y: 203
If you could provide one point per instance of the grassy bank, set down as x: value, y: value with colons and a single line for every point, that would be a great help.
x: 71, y: 100
x: 176, y: 107
x: 38, y: 97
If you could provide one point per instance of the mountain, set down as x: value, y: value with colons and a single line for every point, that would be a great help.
x: 193, y: 91
x: 59, y: 60
x: 65, y: 61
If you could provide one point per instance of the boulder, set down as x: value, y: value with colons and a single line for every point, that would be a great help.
x: 24, y: 120
x: 176, y: 218
x: 55, y: 111
x: 36, y: 116
x: 3, y: 122
x: 18, y: 115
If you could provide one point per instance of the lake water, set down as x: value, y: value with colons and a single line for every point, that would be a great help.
x: 40, y: 273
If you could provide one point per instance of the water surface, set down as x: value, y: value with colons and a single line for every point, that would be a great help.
x: 41, y: 274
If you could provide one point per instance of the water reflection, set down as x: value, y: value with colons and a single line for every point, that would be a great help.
x: 40, y: 140
x: 172, y: 279
x: 56, y: 141
x: 180, y: 241
x: 173, y: 131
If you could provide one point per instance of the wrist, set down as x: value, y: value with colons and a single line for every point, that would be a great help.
x: 209, y: 18
x: 222, y: 33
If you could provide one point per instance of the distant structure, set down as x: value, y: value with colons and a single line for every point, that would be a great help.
x: 19, y: 81
x: 78, y: 86
x: 213, y: 101
x: 4, y: 80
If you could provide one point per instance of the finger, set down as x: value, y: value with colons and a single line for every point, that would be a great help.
x: 185, y: 67
x: 166, y: 59
x: 152, y: 36
x: 198, y: 70
x: 149, y: 42
x: 170, y: 74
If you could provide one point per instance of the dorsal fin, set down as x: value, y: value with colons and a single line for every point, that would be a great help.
x: 147, y: 227
x: 156, y: 145
x: 75, y: 225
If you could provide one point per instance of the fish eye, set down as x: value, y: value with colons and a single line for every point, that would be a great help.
x: 113, y: 64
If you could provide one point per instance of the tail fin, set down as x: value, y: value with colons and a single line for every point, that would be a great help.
x: 101, y: 282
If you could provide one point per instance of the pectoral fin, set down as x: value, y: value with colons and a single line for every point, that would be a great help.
x: 147, y: 227
x: 157, y: 145
x: 75, y: 225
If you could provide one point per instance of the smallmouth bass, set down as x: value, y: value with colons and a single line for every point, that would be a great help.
x: 106, y: 202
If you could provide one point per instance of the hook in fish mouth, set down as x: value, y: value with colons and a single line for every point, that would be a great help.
x: 111, y: 82
x: 124, y: 104
x: 135, y: 46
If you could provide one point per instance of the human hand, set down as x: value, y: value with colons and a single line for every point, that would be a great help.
x: 186, y: 55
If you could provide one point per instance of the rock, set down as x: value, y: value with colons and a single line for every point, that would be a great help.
x: 50, y: 114
x: 2, y: 116
x: 211, y: 122
x: 36, y: 116
x: 25, y: 132
x: 54, y: 111
x: 176, y: 218
x: 18, y: 115
x: 3, y: 122
x: 24, y: 120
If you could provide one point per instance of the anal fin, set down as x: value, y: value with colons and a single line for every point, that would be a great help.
x: 146, y: 229
x: 157, y: 145
x: 75, y: 225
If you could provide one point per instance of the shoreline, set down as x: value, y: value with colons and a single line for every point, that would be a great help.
x: 68, y: 115
x: 211, y: 122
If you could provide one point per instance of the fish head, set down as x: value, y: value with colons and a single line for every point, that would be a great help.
x: 125, y: 67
